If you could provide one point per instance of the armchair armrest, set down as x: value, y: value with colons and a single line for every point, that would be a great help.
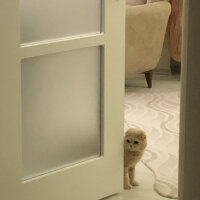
x: 145, y: 31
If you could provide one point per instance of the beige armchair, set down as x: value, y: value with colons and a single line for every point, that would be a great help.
x: 145, y: 31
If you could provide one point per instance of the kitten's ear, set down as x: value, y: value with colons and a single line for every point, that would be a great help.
x: 143, y: 136
x: 130, y: 130
x: 127, y: 132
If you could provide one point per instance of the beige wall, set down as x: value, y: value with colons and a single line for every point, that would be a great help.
x: 189, y: 187
x: 164, y: 63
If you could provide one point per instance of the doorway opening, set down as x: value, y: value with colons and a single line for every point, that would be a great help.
x: 153, y: 49
x: 155, y: 109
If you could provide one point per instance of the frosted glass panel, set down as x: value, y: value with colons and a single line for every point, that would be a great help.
x: 47, y: 19
x: 60, y: 110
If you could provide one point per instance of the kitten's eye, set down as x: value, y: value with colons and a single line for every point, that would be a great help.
x: 136, y: 142
x: 128, y: 141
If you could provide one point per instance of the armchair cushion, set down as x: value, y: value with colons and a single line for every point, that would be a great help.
x: 152, y: 1
x: 135, y: 2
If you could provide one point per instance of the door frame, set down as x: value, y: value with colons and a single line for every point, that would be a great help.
x: 10, y: 105
x: 189, y: 159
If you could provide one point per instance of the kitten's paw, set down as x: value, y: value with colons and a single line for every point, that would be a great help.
x: 135, y: 183
x: 127, y: 187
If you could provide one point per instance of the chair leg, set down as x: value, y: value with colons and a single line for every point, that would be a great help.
x: 148, y: 76
x: 175, y: 66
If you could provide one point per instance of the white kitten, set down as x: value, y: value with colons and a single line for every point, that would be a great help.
x: 134, y: 145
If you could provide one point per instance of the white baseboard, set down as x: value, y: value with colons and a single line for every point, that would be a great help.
x: 160, y: 71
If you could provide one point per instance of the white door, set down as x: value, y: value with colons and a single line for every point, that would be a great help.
x: 62, y: 91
